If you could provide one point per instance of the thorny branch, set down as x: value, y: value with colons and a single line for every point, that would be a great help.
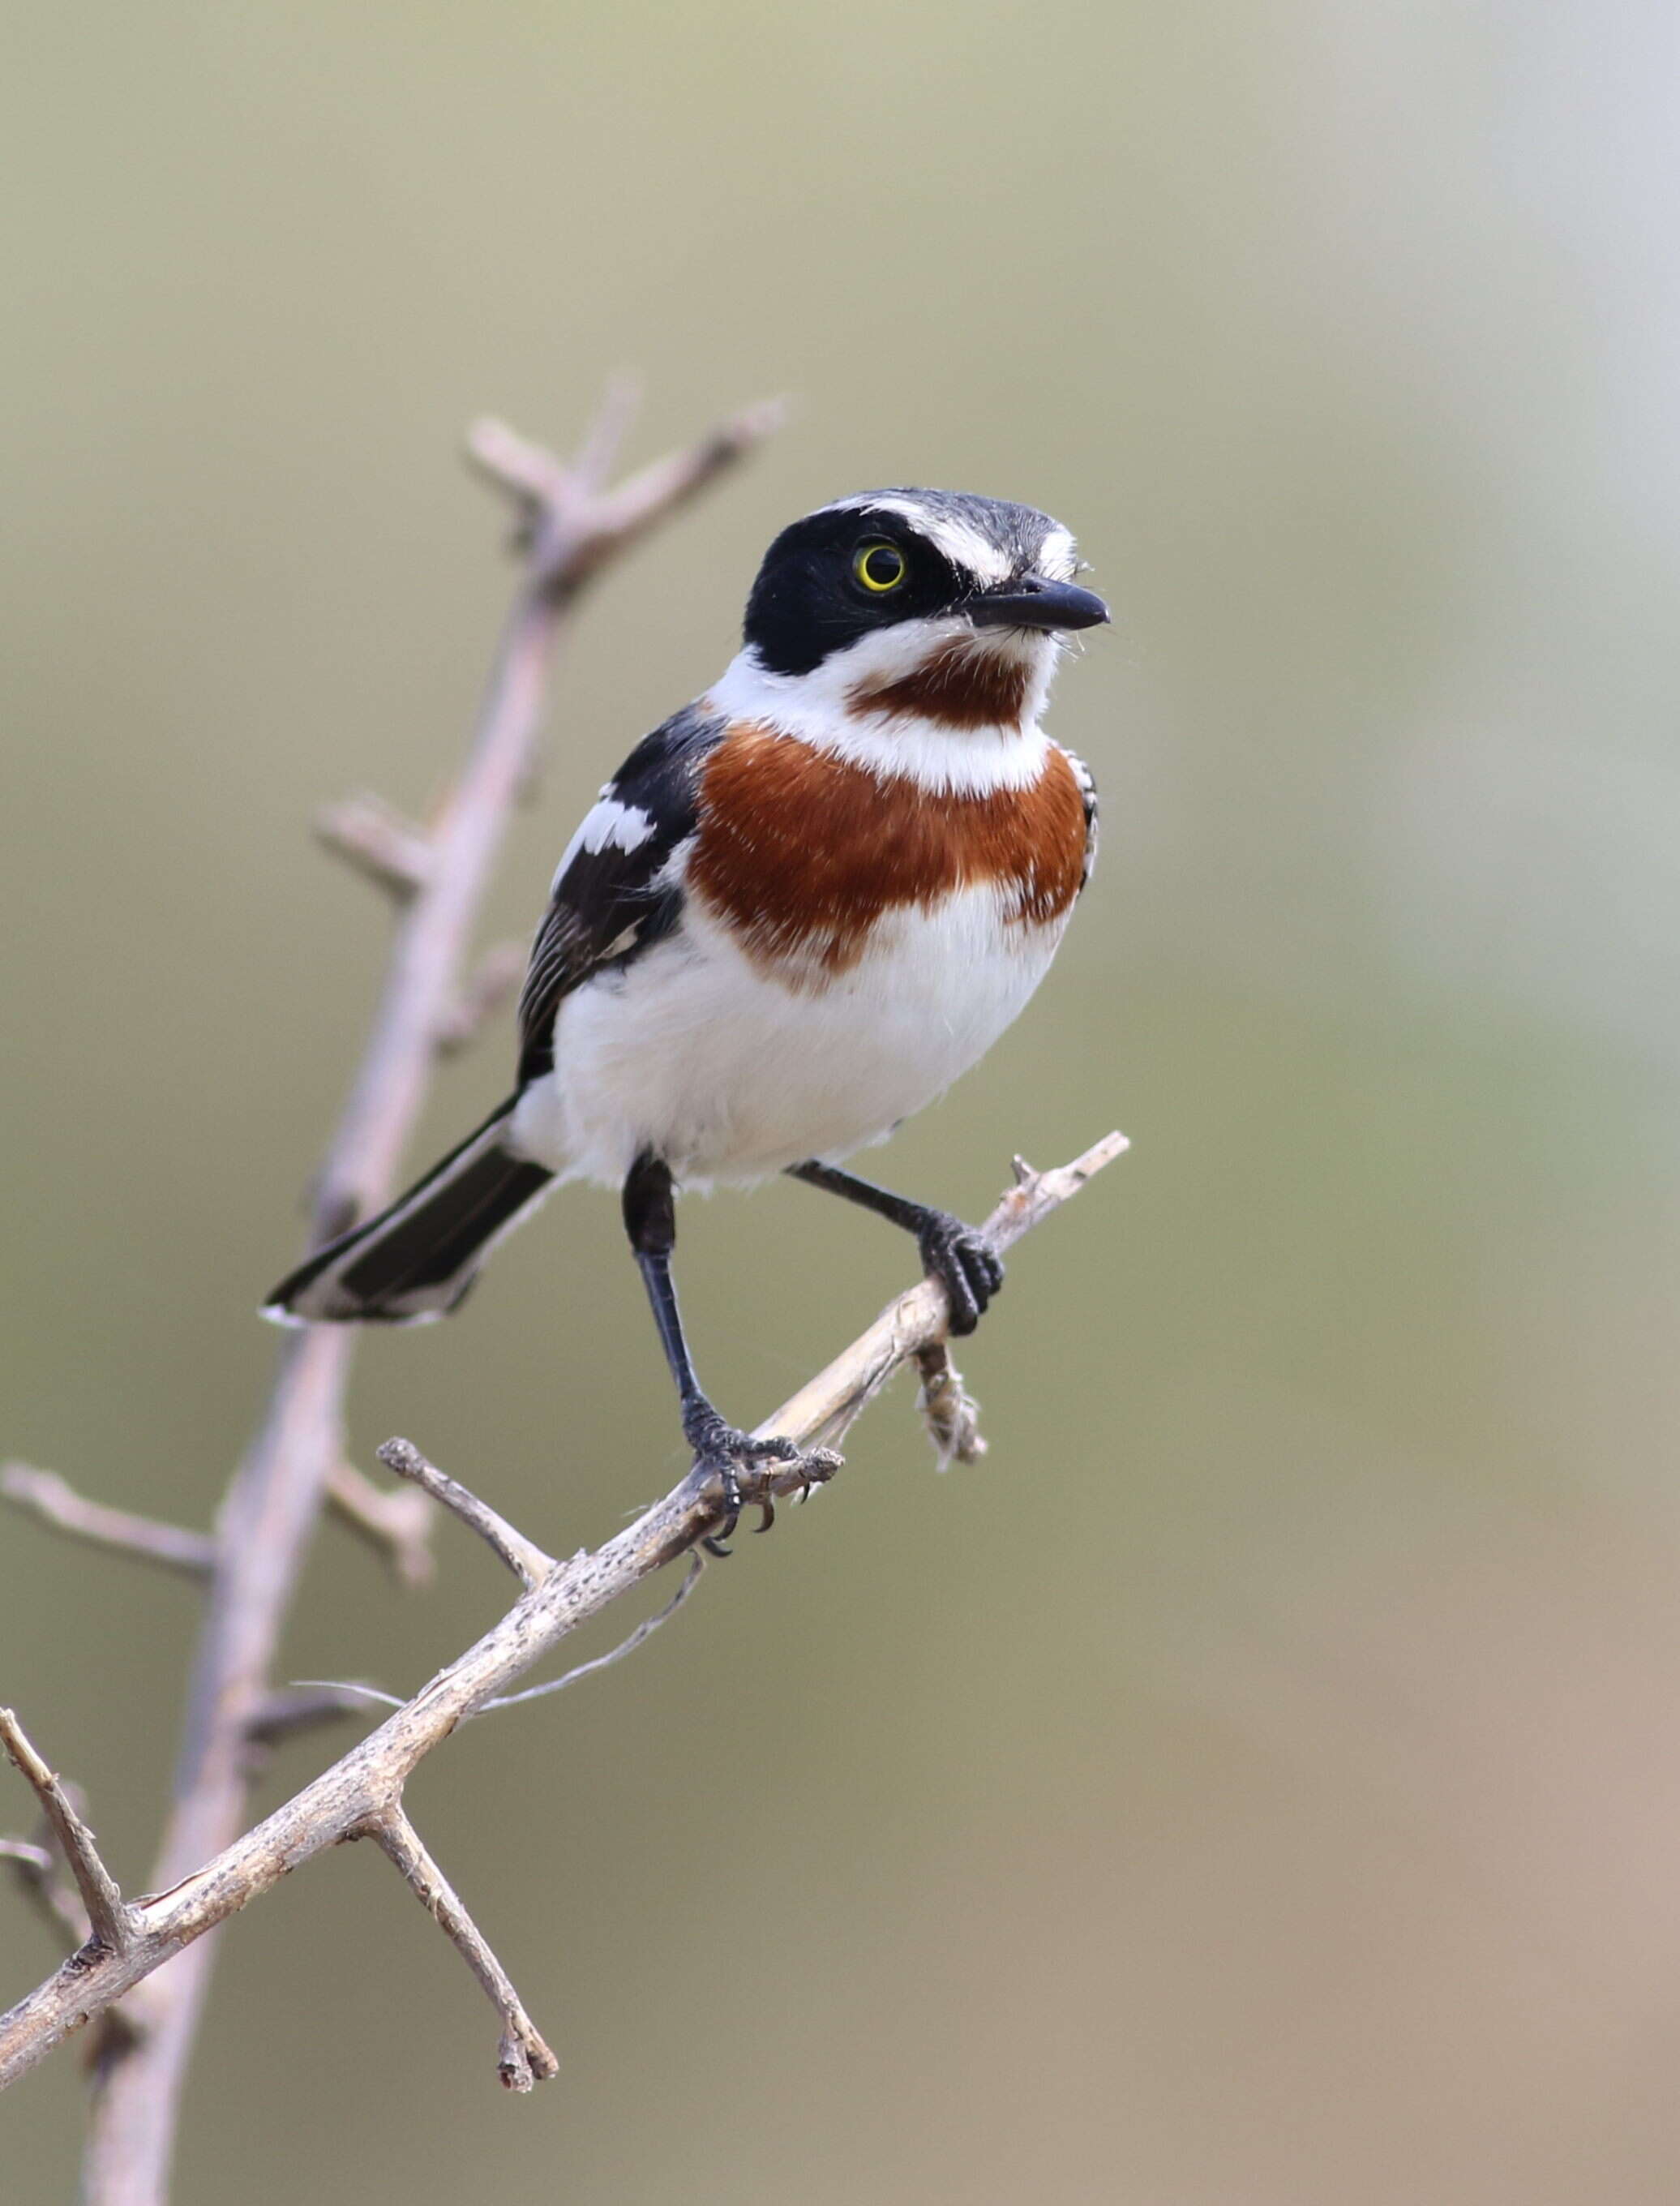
x: 44, y: 1494
x: 522, y: 2057
x: 528, y: 1564
x: 361, y: 1795
x: 570, y: 527
x: 109, y: 1916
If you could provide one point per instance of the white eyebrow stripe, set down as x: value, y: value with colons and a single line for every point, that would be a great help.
x: 609, y: 825
x: 1057, y: 556
x: 976, y: 554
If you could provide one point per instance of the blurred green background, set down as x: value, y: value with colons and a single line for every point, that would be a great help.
x: 1255, y: 1785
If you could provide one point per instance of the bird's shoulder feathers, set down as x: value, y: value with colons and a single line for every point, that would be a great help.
x: 615, y: 893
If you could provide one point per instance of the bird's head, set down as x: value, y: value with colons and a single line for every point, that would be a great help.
x: 918, y: 628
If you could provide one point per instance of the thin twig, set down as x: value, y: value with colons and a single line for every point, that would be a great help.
x: 340, y: 1695
x: 619, y: 518
x: 510, y: 462
x: 523, y: 1557
x: 597, y: 454
x: 522, y: 2058
x: 44, y: 1494
x: 290, y: 1709
x: 397, y: 1521
x: 366, y: 1783
x: 351, y: 1692
x: 375, y: 838
x: 107, y: 1912
x: 820, y: 1414
x: 37, y: 1871
x: 643, y: 1632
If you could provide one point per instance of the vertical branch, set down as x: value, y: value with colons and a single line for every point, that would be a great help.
x: 570, y: 529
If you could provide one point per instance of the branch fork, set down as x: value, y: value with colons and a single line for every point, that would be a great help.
x: 362, y: 1794
x: 567, y: 524
x: 210, y: 1867
x: 528, y: 1562
x: 436, y: 876
x: 110, y: 1919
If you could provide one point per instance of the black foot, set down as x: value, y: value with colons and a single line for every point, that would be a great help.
x: 724, y: 1452
x: 969, y: 1267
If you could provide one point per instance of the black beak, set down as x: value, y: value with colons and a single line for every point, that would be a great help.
x: 1033, y: 602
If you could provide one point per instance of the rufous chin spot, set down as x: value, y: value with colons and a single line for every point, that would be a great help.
x: 802, y: 853
x: 960, y: 684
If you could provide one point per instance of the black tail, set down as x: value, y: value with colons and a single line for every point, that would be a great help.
x: 416, y: 1259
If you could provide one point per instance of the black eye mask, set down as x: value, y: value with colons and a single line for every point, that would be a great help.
x: 810, y: 601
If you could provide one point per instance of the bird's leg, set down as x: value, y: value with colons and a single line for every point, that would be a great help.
x: 963, y: 1260
x: 650, y: 1219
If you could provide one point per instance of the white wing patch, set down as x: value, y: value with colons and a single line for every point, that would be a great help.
x: 609, y: 825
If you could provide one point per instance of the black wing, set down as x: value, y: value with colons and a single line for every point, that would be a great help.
x: 612, y: 897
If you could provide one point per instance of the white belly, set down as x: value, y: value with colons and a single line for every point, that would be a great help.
x: 697, y: 1055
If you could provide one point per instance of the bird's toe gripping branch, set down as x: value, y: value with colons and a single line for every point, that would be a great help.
x: 966, y: 1264
x: 748, y: 1471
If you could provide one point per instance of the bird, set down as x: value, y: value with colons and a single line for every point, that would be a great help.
x: 801, y: 908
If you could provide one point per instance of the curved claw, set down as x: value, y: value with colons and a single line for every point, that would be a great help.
x: 723, y: 1453
x: 769, y: 1517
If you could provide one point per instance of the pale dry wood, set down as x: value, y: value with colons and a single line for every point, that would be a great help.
x: 527, y: 1561
x: 527, y: 472
x: 55, y: 1501
x: 361, y: 1696
x: 639, y: 1637
x: 621, y: 402
x: 522, y: 2057
x: 38, y: 1871
x: 366, y: 1784
x: 398, y: 1521
x: 274, y: 1500
x: 379, y: 843
x: 109, y: 1914
x: 619, y: 518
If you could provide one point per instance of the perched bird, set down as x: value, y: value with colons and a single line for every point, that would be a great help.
x: 798, y: 911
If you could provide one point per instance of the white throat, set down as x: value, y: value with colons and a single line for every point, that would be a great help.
x: 821, y: 708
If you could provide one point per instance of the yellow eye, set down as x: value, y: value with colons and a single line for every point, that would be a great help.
x: 879, y: 567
